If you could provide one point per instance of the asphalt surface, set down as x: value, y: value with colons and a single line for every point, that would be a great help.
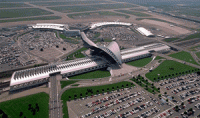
x: 54, y: 104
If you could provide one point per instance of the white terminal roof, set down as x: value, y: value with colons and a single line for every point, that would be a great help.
x: 138, y: 51
x: 95, y: 25
x: 50, y: 26
x: 38, y: 73
x: 144, y: 31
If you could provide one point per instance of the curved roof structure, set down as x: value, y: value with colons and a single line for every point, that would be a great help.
x: 112, y: 49
x: 88, y: 43
x: 49, y: 26
x: 95, y: 25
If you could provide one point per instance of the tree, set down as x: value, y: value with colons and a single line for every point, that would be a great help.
x: 29, y: 107
x: 57, y: 46
x: 20, y: 114
x: 112, y: 88
x: 159, y: 95
x: 126, y: 85
x: 165, y: 93
x: 172, y: 97
x: 41, y: 49
x: 182, y: 103
x: 122, y: 86
x: 64, y: 49
x: 167, y: 100
x: 185, y: 112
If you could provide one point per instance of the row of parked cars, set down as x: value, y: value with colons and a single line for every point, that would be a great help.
x: 136, y: 110
x: 193, y: 99
x: 107, y: 98
x: 182, y: 83
x: 120, y: 108
x: 117, y: 101
x: 176, y: 79
x: 165, y: 114
x: 188, y: 93
x: 183, y: 88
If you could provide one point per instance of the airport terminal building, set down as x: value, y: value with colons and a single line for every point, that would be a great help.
x: 102, y: 57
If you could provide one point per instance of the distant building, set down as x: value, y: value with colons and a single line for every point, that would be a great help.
x: 144, y: 32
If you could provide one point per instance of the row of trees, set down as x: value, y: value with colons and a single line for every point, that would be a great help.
x: 174, y: 75
x: 98, y: 91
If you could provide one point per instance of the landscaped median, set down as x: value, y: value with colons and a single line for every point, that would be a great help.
x: 169, y: 69
x: 75, y: 93
x: 145, y: 84
x: 76, y: 54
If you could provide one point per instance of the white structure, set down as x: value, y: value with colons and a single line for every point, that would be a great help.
x: 95, y: 25
x: 143, y: 51
x: 144, y: 31
x: 61, y: 27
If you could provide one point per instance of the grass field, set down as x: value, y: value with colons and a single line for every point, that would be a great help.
x: 23, y: 12
x: 185, y: 56
x: 194, y: 48
x: 68, y: 3
x: 89, y: 91
x: 170, y: 39
x: 140, y: 14
x: 198, y: 54
x: 68, y: 39
x: 13, y: 107
x: 169, y: 68
x: 158, y: 57
x: 92, y: 75
x: 69, y: 9
x: 97, y: 35
x: 140, y: 62
x: 9, y: 5
x: 66, y: 83
x: 76, y: 54
x: 32, y: 19
x: 100, y: 13
x: 156, y: 19
x: 192, y: 36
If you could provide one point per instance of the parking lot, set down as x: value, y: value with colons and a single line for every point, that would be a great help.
x: 131, y: 102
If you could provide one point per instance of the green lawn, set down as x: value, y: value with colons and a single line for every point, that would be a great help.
x: 97, y: 35
x: 140, y: 14
x: 158, y: 57
x: 198, y: 54
x: 170, y: 39
x: 76, y: 54
x: 192, y: 36
x: 68, y: 3
x: 13, y: 107
x: 23, y: 12
x: 156, y: 19
x: 194, y: 48
x: 92, y: 75
x: 169, y: 68
x: 140, y: 62
x: 66, y: 83
x: 89, y: 91
x: 68, y: 39
x: 8, y: 5
x: 185, y: 56
x: 32, y: 19
x: 100, y: 13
